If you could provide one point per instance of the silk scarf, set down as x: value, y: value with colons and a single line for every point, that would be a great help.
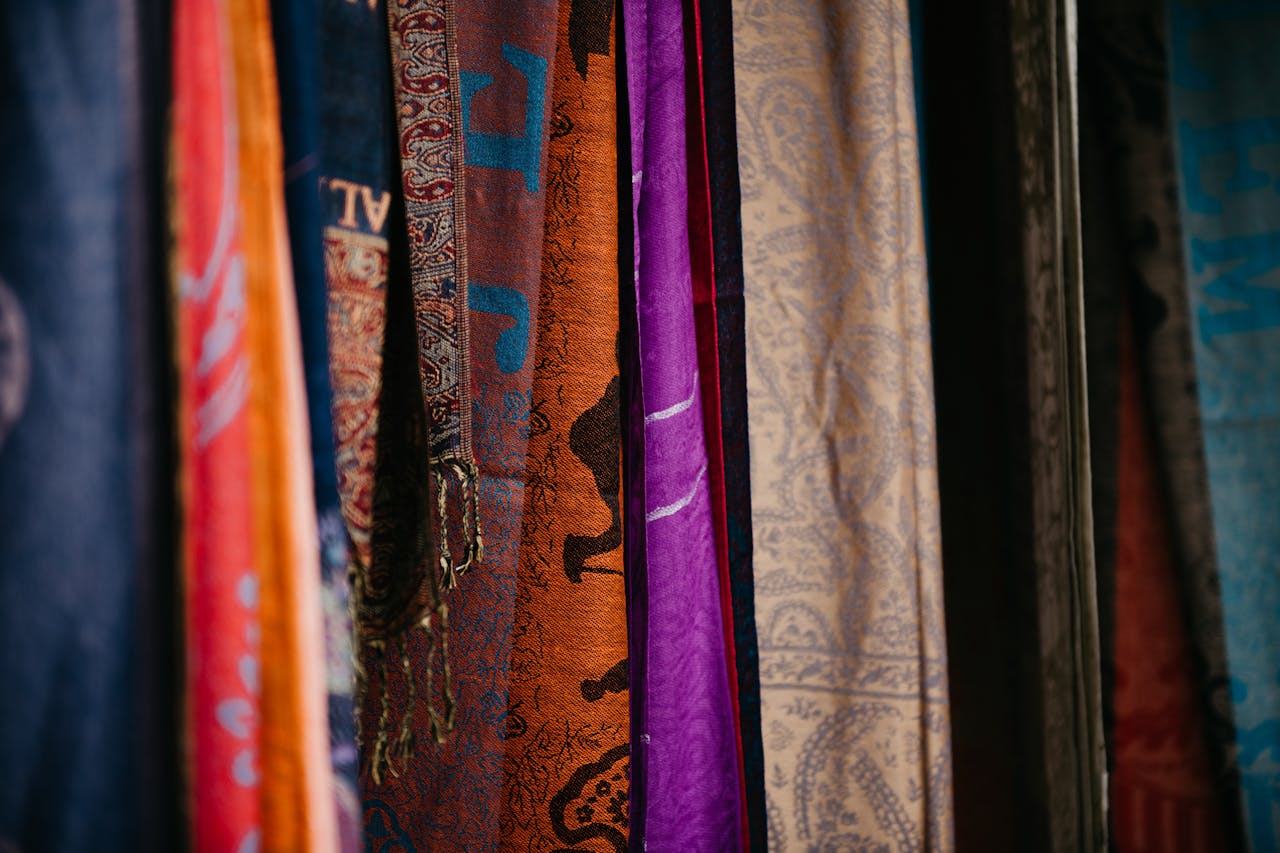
x: 1222, y: 67
x: 567, y: 745
x: 296, y: 773
x: 222, y: 576
x: 843, y: 483
x: 687, y: 742
x: 706, y: 326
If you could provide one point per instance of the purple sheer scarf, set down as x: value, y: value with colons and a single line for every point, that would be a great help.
x: 686, y: 756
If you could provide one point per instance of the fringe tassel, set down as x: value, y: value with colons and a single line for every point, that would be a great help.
x: 388, y: 753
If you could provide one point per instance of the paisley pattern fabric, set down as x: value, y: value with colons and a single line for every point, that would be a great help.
x: 687, y: 745
x: 567, y: 744
x: 449, y: 795
x: 844, y: 492
x: 1223, y: 67
x: 355, y: 198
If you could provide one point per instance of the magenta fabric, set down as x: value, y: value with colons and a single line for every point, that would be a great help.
x: 687, y: 750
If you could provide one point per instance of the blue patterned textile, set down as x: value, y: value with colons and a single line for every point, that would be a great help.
x: 1225, y: 73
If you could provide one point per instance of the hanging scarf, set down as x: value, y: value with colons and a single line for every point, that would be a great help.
x: 479, y: 72
x: 687, y: 750
x: 726, y: 235
x: 222, y: 577
x: 296, y: 774
x: 1163, y: 794
x: 844, y: 490
x: 567, y: 746
x: 1133, y: 253
x: 1224, y: 70
x: 86, y: 589
x: 296, y: 34
x: 703, y: 277
x: 394, y: 597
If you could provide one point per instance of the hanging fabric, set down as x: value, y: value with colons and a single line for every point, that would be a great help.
x: 1014, y: 448
x: 296, y: 35
x: 702, y: 269
x: 719, y: 111
x: 1163, y: 796
x: 844, y: 492
x: 470, y: 79
x: 377, y: 440
x: 687, y: 748
x: 88, y: 740
x: 1223, y: 73
x: 1171, y: 749
x: 295, y: 769
x: 567, y: 745
x: 221, y: 570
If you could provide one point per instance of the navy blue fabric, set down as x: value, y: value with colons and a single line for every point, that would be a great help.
x: 296, y: 28
x: 80, y: 573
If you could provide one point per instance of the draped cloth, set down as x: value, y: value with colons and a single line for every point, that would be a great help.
x: 1164, y: 610
x: 295, y: 30
x: 1162, y: 793
x: 687, y: 745
x: 567, y: 746
x: 844, y: 490
x: 355, y: 198
x: 86, y: 606
x: 1223, y: 69
x: 468, y: 77
x: 222, y: 573
x: 1017, y: 515
x: 726, y: 237
x: 706, y: 325
x: 295, y: 763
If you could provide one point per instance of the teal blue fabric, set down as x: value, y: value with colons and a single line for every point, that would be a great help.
x: 1225, y: 70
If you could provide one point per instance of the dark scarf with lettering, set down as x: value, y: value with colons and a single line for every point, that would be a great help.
x: 478, y: 71
x: 567, y: 746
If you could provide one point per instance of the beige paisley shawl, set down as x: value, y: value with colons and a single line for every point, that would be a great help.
x: 843, y: 469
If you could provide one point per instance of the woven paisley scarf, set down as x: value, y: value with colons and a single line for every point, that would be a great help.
x: 848, y: 590
x: 415, y: 446
x: 477, y: 72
